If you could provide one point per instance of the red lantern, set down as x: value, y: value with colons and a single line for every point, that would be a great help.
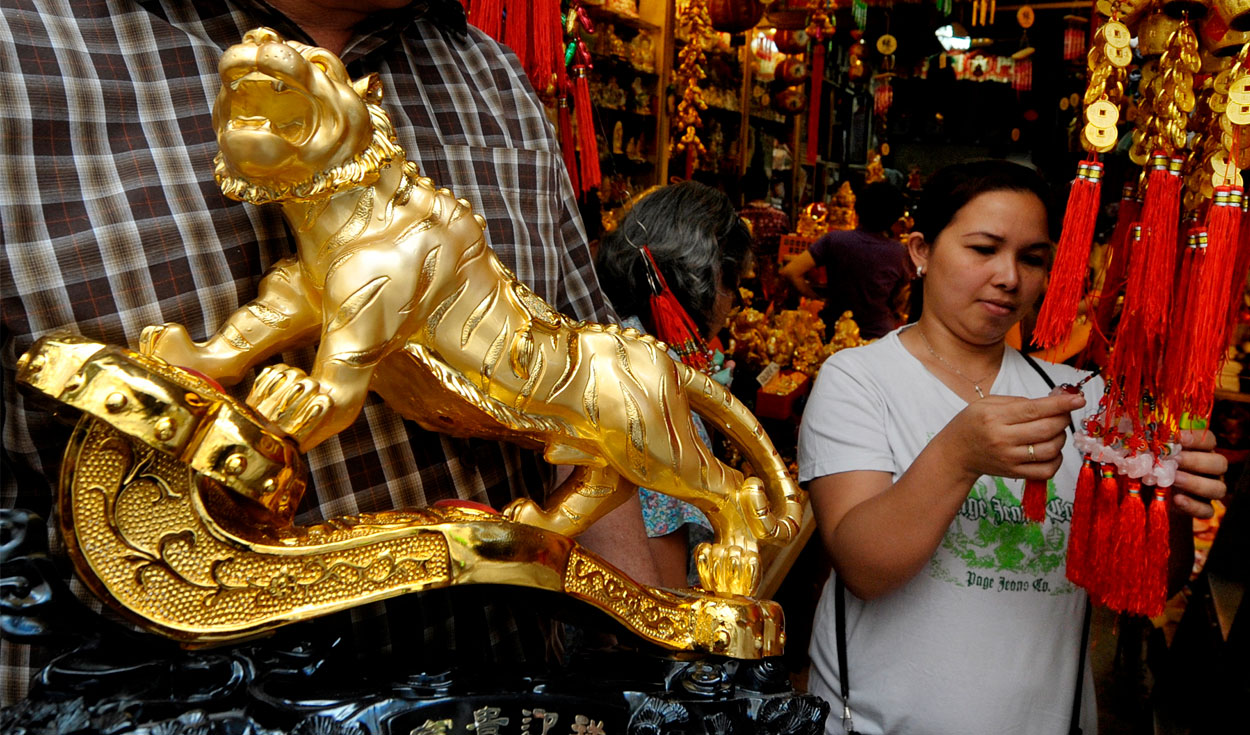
x: 1073, y: 43
x: 790, y: 101
x: 1022, y: 75
x: 792, y: 71
x: 734, y: 16
x: 882, y: 97
x: 791, y: 42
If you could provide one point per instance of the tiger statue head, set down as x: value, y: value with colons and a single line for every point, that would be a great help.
x: 291, y: 124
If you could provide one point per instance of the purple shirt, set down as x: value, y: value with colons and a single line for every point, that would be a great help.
x: 865, y: 274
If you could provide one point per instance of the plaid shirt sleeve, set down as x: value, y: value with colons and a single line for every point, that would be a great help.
x: 111, y: 221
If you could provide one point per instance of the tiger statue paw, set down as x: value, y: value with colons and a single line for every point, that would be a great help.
x: 727, y: 568
x: 294, y: 402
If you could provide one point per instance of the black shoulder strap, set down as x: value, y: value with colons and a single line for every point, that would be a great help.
x: 1046, y: 377
x: 1075, y: 727
x: 839, y: 624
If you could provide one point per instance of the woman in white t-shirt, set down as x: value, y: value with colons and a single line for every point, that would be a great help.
x: 959, y: 618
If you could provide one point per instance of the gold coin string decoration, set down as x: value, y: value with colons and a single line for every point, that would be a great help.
x: 695, y: 25
x: 1162, y: 129
x: 1134, y: 432
x: 1106, y: 61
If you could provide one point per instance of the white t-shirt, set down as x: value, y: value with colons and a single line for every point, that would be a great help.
x: 985, y: 638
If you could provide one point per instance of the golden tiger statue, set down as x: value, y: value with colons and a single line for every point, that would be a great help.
x: 395, y: 279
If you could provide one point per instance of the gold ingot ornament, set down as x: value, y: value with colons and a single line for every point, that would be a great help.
x: 395, y: 278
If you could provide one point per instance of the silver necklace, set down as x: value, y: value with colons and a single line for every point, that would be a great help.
x: 976, y: 384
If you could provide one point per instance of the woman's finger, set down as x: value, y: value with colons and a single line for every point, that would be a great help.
x: 1202, y: 463
x: 1198, y: 439
x: 1192, y: 507
x: 1201, y: 487
x: 1040, y: 470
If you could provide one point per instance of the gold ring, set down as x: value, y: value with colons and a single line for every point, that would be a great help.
x: 1032, y: 456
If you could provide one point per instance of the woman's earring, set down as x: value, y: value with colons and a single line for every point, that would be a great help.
x: 919, y: 271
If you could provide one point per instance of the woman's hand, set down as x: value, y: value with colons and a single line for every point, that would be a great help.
x: 993, y: 436
x: 1199, y: 474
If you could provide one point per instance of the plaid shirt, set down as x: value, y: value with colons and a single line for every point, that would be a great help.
x: 111, y: 219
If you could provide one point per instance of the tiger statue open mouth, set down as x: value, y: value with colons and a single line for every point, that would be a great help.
x: 395, y: 282
x: 286, y: 111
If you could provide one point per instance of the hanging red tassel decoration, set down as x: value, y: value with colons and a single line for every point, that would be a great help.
x: 1033, y: 502
x: 1115, y: 267
x: 516, y: 31
x: 1022, y: 75
x: 1217, y: 300
x: 1099, y: 570
x: 813, y: 114
x: 487, y: 15
x: 588, y: 149
x: 1242, y: 262
x: 670, y: 322
x: 1067, y: 275
x: 1148, y: 294
x: 1130, y: 543
x: 1229, y: 234
x: 1178, y: 357
x: 547, y: 44
x: 1155, y: 590
x: 1073, y: 43
x: 1082, y: 523
x: 568, y: 147
x: 1160, y: 218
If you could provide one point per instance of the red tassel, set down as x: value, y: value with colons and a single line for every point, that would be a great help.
x: 1148, y: 293
x: 516, y: 31
x: 1034, y: 500
x: 568, y: 145
x: 671, y: 323
x: 1242, y: 263
x: 1102, y: 545
x: 568, y: 148
x: 487, y: 15
x: 1178, y: 355
x: 1218, y: 301
x: 1155, y: 590
x: 587, y: 147
x: 1067, y: 275
x: 1229, y: 235
x: 1082, y: 523
x: 1115, y: 267
x: 813, y: 114
x: 1130, y: 543
x: 548, y: 37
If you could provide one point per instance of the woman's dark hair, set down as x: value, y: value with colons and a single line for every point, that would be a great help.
x: 878, y: 206
x: 697, y: 239
x: 755, y: 185
x: 948, y: 190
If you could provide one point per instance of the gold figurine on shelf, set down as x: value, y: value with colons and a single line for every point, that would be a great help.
x: 396, y: 284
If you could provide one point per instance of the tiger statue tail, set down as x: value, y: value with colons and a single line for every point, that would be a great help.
x: 774, y: 511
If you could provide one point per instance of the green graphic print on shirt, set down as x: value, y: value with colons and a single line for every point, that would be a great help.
x: 998, y: 549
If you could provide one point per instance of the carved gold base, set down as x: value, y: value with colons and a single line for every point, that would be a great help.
x: 180, y: 553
